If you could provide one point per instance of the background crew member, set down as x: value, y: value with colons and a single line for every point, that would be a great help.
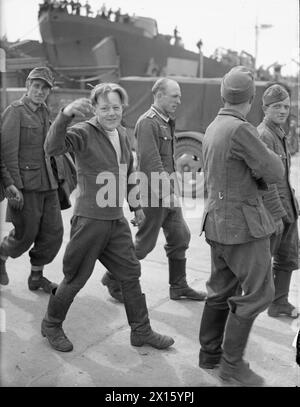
x: 154, y: 132
x: 31, y: 188
x: 280, y: 200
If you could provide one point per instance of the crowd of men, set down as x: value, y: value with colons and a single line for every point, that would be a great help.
x: 249, y: 221
x: 75, y: 7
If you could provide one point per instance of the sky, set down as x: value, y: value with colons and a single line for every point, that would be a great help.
x: 218, y: 23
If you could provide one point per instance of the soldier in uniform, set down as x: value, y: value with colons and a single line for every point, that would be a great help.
x: 99, y: 229
x: 31, y: 188
x: 237, y: 227
x: 280, y: 200
x: 154, y: 132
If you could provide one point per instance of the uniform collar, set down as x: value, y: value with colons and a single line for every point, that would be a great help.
x: 32, y: 106
x: 158, y: 111
x: 225, y: 111
x: 276, y: 128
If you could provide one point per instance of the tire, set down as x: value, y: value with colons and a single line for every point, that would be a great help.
x: 189, y: 163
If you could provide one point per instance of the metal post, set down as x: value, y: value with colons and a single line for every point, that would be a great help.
x: 199, y: 45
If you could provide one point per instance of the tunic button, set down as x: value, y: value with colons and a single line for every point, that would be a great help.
x: 27, y: 168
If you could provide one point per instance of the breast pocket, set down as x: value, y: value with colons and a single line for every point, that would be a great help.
x: 31, y: 176
x: 31, y: 134
x: 165, y: 144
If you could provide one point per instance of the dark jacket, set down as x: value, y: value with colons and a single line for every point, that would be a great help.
x: 96, y: 162
x: 280, y: 198
x: 234, y: 212
x: 24, y: 129
x: 155, y: 150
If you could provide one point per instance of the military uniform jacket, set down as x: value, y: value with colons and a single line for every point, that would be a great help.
x: 234, y: 212
x: 96, y: 164
x: 280, y: 198
x: 155, y: 137
x: 24, y: 129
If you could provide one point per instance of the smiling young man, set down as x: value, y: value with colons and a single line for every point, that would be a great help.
x: 280, y: 200
x: 156, y: 141
x: 31, y: 188
x: 99, y: 230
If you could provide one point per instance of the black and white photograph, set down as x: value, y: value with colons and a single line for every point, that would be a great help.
x: 149, y: 197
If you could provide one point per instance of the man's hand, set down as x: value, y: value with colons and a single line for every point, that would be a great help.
x: 79, y: 108
x: 15, y: 197
x: 139, y: 217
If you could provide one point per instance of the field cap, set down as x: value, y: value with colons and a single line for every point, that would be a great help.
x: 238, y: 85
x: 43, y: 73
x: 273, y: 94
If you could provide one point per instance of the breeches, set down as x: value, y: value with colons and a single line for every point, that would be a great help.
x: 175, y: 229
x: 108, y: 241
x: 38, y: 223
x: 285, y: 247
x: 241, y: 277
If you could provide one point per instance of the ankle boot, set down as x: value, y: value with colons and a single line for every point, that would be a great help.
x: 280, y: 305
x: 233, y: 368
x: 36, y: 280
x: 179, y: 288
x: 113, y: 286
x: 4, y: 280
x: 52, y: 324
x: 141, y: 331
x: 211, y: 333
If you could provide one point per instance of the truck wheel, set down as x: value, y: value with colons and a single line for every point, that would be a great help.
x: 189, y: 163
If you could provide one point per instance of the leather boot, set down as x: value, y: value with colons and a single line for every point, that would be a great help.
x: 233, y: 368
x: 52, y: 324
x: 280, y: 305
x: 298, y: 348
x: 4, y: 280
x: 179, y: 288
x: 36, y: 280
x: 141, y: 331
x: 113, y: 286
x: 211, y: 336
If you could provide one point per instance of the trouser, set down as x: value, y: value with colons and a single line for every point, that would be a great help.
x: 38, y: 223
x: 241, y: 277
x: 175, y: 229
x: 108, y: 241
x: 240, y: 282
x: 284, y: 248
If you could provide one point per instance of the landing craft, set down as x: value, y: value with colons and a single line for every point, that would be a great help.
x: 77, y: 45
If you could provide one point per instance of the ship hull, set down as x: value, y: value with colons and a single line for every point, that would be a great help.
x: 68, y: 42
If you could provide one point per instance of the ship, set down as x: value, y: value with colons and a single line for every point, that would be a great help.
x: 82, y: 48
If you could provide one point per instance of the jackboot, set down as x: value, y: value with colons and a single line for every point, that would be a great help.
x: 233, y: 368
x: 52, y: 324
x: 4, y: 280
x: 141, y: 331
x: 36, y: 280
x: 113, y: 286
x: 280, y: 305
x: 211, y: 336
x: 179, y: 288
